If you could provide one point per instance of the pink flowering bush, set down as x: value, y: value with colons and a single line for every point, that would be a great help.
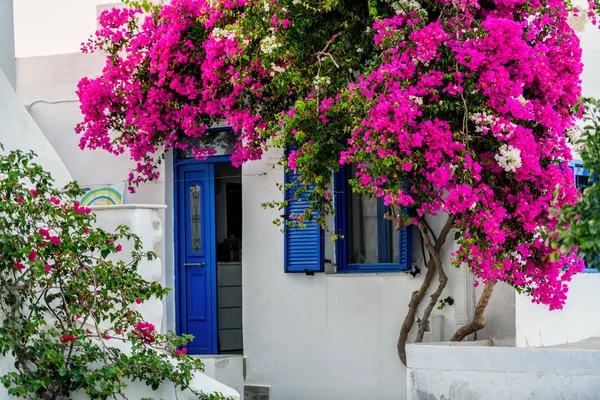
x: 65, y: 302
x: 447, y: 108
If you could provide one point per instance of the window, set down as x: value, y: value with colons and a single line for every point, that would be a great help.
x: 370, y: 243
x: 583, y: 180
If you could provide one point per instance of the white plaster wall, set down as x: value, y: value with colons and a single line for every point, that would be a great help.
x: 45, y: 27
x: 144, y: 221
x: 325, y: 336
x: 47, y: 85
x: 578, y: 320
x: 7, y: 42
x: 589, y: 35
x: 227, y: 369
x: 19, y: 131
x: 500, y: 315
x: 439, y: 372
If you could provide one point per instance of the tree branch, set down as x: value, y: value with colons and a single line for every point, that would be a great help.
x: 418, y: 295
x: 479, y: 318
x: 442, y: 279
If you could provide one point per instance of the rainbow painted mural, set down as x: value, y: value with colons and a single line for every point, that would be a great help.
x: 103, y: 196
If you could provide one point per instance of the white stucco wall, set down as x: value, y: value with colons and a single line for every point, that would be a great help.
x: 53, y: 27
x: 499, y: 315
x: 589, y: 35
x: 48, y: 87
x: 49, y: 66
x: 144, y: 221
x: 7, y: 42
x: 19, y: 131
x: 578, y: 320
x: 439, y: 372
x: 325, y: 336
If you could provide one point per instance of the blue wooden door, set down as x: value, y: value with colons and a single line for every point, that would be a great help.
x: 196, y: 277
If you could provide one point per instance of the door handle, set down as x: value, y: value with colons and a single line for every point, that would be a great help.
x: 194, y: 264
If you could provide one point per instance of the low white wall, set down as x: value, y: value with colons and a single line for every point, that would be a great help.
x: 325, y: 336
x: 137, y: 390
x: 439, y: 372
x: 227, y: 369
x: 578, y: 320
x: 144, y: 221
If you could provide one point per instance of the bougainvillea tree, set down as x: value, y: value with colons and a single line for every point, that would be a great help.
x: 456, y: 109
x: 67, y: 302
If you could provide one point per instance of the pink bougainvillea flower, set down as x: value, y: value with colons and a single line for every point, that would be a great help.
x: 144, y: 331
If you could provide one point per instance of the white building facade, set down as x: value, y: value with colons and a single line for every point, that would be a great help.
x: 325, y: 334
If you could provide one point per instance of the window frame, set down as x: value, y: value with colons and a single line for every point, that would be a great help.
x: 343, y: 192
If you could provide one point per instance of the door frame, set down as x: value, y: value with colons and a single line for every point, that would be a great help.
x: 179, y: 290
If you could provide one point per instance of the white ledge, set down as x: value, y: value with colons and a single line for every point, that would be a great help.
x: 130, y: 207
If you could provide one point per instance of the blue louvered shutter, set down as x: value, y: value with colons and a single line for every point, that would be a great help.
x: 303, y: 246
x: 583, y: 180
x: 582, y: 175
x: 405, y: 247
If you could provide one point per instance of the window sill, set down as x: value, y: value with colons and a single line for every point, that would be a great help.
x: 332, y: 273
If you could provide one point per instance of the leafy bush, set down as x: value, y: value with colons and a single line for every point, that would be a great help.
x: 66, y: 300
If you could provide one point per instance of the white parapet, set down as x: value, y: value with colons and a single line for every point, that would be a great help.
x: 475, y: 372
x: 144, y: 221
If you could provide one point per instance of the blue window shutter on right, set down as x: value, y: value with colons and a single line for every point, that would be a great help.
x: 303, y: 246
x: 583, y: 180
x: 405, y: 247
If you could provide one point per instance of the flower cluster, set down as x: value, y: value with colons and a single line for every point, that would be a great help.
x: 460, y: 109
x: 508, y: 158
x: 479, y: 135
x: 144, y: 331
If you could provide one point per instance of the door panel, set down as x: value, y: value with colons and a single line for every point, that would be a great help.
x: 196, y: 257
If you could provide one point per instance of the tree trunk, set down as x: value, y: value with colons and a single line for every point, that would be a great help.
x: 479, y: 318
x: 418, y: 295
x: 409, y: 320
x: 442, y: 278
